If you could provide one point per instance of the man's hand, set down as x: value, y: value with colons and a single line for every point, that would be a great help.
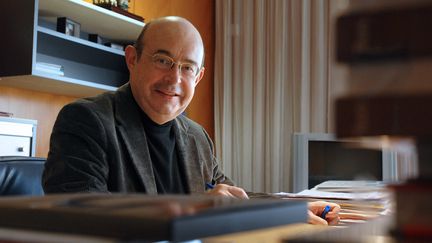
x: 228, y: 191
x: 317, y: 208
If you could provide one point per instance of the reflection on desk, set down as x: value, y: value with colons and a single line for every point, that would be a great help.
x: 31, y: 236
x: 270, y: 235
x: 374, y: 230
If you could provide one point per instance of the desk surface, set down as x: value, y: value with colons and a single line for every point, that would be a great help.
x: 361, y: 219
x: 269, y: 235
x: 31, y: 236
x: 376, y: 230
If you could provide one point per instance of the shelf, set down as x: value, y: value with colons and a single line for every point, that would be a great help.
x: 108, y: 24
x: 89, y: 68
x: 79, y: 41
x: 93, y: 64
x: 56, y: 85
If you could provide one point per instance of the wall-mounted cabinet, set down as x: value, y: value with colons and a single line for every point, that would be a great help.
x: 29, y: 38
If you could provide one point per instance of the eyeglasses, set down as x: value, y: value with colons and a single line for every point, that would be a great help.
x: 164, y: 62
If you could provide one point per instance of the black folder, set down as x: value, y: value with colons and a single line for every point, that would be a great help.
x: 147, y: 218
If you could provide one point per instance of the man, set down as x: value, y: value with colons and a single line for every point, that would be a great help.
x: 135, y: 139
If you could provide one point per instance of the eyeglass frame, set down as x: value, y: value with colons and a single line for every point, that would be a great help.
x: 178, y: 63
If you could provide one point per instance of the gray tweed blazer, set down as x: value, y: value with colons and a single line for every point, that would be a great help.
x: 99, y: 144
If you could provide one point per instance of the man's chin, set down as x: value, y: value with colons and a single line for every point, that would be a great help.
x: 169, y: 114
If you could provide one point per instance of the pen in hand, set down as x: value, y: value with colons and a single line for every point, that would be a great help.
x: 209, y: 186
x: 325, y: 212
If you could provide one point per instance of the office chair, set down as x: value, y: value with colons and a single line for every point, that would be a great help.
x: 21, y: 175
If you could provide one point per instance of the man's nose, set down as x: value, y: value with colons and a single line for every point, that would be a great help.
x: 175, y: 73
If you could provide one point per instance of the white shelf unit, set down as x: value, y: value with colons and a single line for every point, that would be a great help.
x: 17, y: 137
x: 29, y: 36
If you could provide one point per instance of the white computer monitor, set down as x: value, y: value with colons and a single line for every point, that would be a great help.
x: 318, y: 157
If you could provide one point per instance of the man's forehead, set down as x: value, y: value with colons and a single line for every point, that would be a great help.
x: 176, y: 37
x: 173, y: 27
x: 170, y: 30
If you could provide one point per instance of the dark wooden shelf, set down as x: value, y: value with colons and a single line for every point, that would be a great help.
x: 89, y: 68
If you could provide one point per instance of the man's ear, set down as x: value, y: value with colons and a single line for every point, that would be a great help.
x: 131, y: 57
x: 200, y: 76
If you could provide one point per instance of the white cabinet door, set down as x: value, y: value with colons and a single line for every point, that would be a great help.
x: 14, y: 145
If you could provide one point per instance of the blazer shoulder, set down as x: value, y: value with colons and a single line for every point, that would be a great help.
x: 102, y: 103
x: 194, y: 129
x: 188, y: 125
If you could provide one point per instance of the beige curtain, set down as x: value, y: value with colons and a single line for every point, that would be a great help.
x: 273, y: 73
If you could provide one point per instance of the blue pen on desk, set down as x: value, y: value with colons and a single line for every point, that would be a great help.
x: 325, y: 212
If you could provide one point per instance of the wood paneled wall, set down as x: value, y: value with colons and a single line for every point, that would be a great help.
x: 39, y: 106
x: 44, y: 107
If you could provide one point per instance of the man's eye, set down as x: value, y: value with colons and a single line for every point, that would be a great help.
x: 190, y: 68
x: 163, y: 61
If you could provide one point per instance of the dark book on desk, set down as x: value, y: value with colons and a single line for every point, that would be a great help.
x: 141, y: 217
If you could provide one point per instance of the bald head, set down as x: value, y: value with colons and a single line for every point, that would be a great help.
x: 169, y: 27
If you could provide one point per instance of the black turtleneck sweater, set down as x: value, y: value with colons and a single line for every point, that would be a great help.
x: 167, y: 169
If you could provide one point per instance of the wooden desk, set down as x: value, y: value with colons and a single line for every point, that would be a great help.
x: 32, y: 236
x: 369, y: 229
x: 376, y: 230
x: 269, y: 235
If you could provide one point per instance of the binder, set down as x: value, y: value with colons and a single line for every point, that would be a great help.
x: 147, y: 218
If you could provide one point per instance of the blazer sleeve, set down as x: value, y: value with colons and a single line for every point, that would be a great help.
x: 77, y: 158
x: 218, y: 176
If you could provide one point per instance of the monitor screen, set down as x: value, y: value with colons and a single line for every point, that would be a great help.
x: 319, y: 157
x: 335, y: 160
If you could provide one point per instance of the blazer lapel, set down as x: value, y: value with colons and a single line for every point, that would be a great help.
x: 188, y: 156
x: 132, y: 131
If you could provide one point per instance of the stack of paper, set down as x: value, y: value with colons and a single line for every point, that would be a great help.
x: 359, y: 200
